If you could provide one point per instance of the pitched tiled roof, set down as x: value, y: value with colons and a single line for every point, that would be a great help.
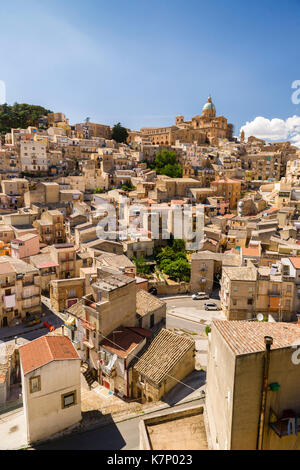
x: 166, y: 350
x: 242, y: 273
x: 244, y: 337
x: 295, y: 261
x: 123, y: 341
x: 44, y: 350
x: 146, y: 303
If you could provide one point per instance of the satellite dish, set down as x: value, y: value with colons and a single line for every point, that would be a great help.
x: 260, y: 317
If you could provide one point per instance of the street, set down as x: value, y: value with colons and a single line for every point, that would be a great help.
x: 32, y: 332
x: 186, y: 313
x: 114, y: 436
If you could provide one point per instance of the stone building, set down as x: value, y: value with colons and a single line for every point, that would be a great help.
x: 50, y: 369
x: 150, y: 310
x: 204, y: 128
x: 20, y: 291
x: 168, y: 359
x: 239, y: 416
x: 229, y: 189
x: 66, y: 292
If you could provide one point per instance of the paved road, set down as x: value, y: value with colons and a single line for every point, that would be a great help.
x: 115, y: 436
x: 190, y: 314
x: 32, y: 332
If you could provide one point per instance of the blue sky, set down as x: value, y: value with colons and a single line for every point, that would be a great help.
x: 142, y: 62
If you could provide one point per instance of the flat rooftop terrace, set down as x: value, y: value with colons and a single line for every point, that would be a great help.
x: 179, y: 430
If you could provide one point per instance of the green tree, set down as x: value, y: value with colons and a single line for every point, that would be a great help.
x: 119, y: 133
x: 179, y: 269
x: 99, y: 190
x: 178, y: 245
x: 128, y: 187
x: 166, y: 253
x: 141, y: 265
x: 20, y: 115
x: 165, y: 163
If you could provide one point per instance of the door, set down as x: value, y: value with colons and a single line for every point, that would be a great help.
x: 5, y: 323
x: 152, y: 320
x: 106, y: 384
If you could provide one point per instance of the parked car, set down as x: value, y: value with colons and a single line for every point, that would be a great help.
x: 33, y: 321
x: 210, y: 306
x: 200, y: 296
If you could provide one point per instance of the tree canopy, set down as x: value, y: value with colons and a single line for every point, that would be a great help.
x: 20, y: 116
x: 99, y: 190
x: 172, y: 260
x: 165, y: 163
x: 141, y: 265
x: 119, y: 133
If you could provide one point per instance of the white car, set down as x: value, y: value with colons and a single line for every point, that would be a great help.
x: 200, y: 296
x: 211, y: 306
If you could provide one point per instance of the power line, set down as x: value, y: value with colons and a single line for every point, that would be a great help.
x: 137, y: 357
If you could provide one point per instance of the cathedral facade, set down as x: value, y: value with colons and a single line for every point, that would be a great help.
x: 204, y: 128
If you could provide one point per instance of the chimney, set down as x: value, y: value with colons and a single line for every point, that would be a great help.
x: 63, y: 330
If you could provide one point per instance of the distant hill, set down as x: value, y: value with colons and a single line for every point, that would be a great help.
x: 20, y: 115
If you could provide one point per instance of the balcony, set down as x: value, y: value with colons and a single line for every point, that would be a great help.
x: 28, y: 283
x: 287, y: 425
x: 7, y: 284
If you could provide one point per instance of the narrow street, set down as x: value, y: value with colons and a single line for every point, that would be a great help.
x: 114, y: 436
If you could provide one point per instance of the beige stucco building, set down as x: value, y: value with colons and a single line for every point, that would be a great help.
x: 50, y: 369
x: 234, y: 399
x: 203, y: 128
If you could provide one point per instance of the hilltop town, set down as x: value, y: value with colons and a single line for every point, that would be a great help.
x: 152, y: 271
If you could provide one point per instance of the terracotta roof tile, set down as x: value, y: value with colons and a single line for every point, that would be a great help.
x: 244, y: 337
x: 295, y: 261
x: 166, y: 350
x: 46, y: 349
x: 123, y: 341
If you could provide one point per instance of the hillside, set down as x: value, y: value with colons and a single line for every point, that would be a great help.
x: 20, y: 115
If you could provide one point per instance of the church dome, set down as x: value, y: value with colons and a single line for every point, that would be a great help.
x: 209, y: 105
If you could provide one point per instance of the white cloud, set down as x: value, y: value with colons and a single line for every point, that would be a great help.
x: 274, y: 129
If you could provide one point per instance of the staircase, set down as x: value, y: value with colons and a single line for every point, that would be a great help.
x: 88, y: 377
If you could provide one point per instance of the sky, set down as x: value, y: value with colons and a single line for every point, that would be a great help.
x: 142, y: 63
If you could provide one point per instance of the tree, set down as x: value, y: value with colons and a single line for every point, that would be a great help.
x: 141, y: 265
x: 20, y: 115
x: 178, y: 245
x: 128, y: 187
x: 99, y: 190
x: 179, y: 269
x: 119, y: 133
x: 165, y: 157
x: 165, y: 163
x: 166, y: 253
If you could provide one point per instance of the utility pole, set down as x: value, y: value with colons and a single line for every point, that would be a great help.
x: 268, y: 342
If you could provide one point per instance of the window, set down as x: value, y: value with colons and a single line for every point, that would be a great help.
x: 250, y: 301
x: 69, y: 399
x: 235, y: 288
x: 234, y: 302
x: 35, y: 384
